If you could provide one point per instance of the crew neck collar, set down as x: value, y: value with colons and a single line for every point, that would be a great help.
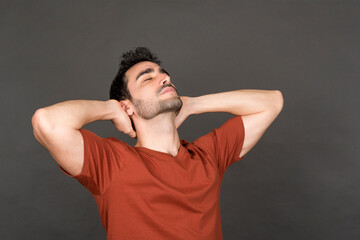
x: 156, y: 152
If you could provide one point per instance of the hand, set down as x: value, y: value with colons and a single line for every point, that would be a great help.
x: 121, y: 119
x: 185, y: 110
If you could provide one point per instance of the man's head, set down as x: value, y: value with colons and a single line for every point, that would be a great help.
x: 139, y: 84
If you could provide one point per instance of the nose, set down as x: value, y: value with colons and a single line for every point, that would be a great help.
x: 166, y: 80
x: 166, y: 83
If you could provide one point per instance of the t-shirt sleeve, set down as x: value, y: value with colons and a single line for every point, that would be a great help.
x: 224, y: 144
x: 102, y: 160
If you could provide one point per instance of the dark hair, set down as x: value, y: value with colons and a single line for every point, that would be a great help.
x: 119, y: 89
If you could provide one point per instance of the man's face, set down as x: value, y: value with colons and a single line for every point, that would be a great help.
x: 146, y: 82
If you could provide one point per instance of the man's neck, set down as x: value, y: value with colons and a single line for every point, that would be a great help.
x: 158, y: 133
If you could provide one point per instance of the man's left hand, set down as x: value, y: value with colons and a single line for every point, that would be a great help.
x: 185, y: 110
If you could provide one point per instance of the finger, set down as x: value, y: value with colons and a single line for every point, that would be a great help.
x: 133, y: 134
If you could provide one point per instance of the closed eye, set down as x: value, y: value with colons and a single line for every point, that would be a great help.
x: 147, y: 79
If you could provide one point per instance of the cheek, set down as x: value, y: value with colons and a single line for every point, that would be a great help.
x: 145, y: 93
x: 148, y: 90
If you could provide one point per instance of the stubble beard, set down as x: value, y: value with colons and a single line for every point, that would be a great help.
x: 148, y: 110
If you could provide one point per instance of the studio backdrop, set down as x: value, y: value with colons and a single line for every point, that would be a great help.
x: 300, y: 181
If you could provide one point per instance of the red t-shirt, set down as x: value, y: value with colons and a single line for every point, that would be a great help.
x: 146, y: 194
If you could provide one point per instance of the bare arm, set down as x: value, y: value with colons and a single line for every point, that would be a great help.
x: 56, y: 127
x: 258, y: 109
x: 238, y: 102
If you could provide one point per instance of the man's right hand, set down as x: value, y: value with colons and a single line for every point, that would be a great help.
x: 121, y: 119
x: 57, y: 128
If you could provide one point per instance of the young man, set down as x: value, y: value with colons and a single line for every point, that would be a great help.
x: 162, y: 187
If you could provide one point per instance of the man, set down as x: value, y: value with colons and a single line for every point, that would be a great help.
x: 160, y: 188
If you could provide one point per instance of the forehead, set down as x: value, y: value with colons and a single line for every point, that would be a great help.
x: 137, y: 68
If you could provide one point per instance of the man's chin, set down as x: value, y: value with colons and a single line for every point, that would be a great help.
x: 172, y: 105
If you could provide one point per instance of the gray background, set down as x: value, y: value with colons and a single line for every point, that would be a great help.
x: 301, y: 181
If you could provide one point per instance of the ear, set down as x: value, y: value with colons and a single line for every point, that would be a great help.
x: 127, y: 106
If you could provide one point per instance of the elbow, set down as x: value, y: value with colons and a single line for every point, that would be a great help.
x: 279, y: 100
x: 36, y: 117
x: 38, y: 120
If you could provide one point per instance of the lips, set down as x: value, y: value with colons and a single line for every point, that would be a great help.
x: 168, y: 89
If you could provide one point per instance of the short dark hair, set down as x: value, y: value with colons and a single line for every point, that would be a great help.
x: 119, y: 89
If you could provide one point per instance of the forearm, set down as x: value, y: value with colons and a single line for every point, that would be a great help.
x: 238, y: 102
x: 75, y: 113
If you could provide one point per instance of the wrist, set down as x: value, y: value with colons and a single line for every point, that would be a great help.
x: 113, y: 107
x: 194, y: 105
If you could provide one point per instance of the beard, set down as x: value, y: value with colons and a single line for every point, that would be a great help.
x: 148, y: 109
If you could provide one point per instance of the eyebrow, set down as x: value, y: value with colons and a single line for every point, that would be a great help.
x: 150, y: 70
